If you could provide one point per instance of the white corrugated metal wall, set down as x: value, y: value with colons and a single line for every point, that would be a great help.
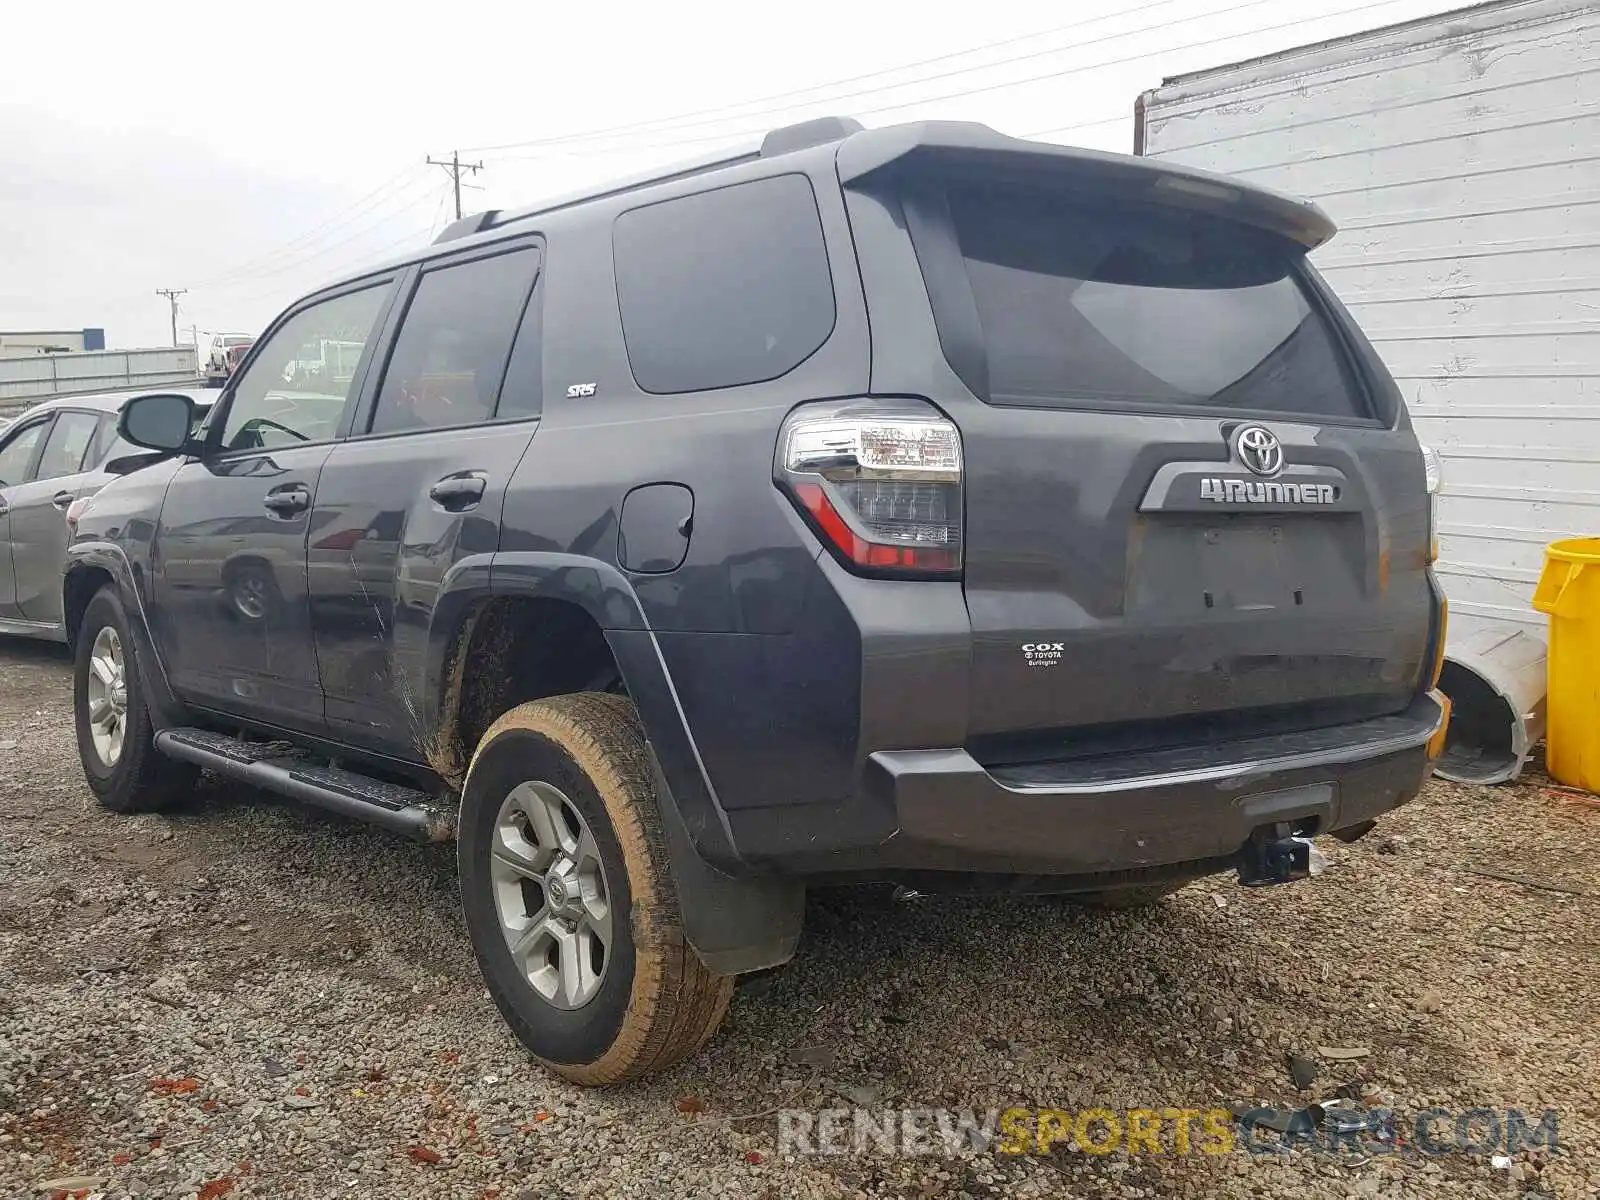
x: 1460, y: 157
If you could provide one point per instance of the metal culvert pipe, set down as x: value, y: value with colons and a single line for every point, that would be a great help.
x: 1496, y: 684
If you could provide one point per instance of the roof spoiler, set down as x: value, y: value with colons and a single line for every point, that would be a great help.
x: 968, y: 145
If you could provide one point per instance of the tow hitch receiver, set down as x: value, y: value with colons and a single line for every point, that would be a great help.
x: 1274, y: 854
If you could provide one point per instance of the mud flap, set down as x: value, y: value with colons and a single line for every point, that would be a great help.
x: 734, y: 925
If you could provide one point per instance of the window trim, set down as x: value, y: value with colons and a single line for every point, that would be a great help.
x: 109, y: 433
x: 924, y: 199
x: 217, y: 419
x: 827, y: 262
x: 44, y: 422
x: 361, y: 424
x: 535, y: 297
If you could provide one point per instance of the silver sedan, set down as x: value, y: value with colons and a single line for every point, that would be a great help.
x: 51, y: 455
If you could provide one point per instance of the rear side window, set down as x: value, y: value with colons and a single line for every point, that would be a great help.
x: 451, y: 352
x: 1081, y: 302
x: 67, y: 444
x: 725, y: 287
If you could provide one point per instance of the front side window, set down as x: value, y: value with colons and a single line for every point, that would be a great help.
x: 68, y: 443
x: 296, y: 388
x: 723, y: 288
x: 16, y: 456
x: 451, y: 351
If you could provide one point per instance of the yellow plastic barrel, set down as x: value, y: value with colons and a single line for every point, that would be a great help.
x: 1569, y: 592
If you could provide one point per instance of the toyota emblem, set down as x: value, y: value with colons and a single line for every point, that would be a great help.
x: 1259, y: 449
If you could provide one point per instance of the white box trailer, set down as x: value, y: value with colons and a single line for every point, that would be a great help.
x: 1460, y: 157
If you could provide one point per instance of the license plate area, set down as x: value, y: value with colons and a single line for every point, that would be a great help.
x: 1228, y: 563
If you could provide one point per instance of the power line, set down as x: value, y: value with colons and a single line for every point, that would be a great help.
x: 172, y: 295
x: 438, y: 214
x: 686, y: 120
x: 370, y: 215
x: 367, y: 203
x: 454, y: 168
x: 364, y: 258
x: 1080, y: 125
x: 1230, y: 37
x: 316, y: 253
x: 1009, y: 83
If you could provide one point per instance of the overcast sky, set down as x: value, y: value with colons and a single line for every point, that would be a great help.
x: 252, y: 152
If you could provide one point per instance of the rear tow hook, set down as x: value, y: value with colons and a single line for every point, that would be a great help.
x: 1274, y: 854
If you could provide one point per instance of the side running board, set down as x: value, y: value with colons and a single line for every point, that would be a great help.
x: 279, y: 767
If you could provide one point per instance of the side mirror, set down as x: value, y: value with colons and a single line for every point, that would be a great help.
x: 161, y: 421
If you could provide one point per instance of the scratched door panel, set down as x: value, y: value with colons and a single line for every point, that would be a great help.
x: 377, y: 558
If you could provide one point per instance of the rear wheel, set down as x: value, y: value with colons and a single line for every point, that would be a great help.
x: 568, y: 895
x: 115, y: 735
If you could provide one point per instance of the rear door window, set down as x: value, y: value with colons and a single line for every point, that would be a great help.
x: 725, y: 287
x: 1083, y: 303
x: 68, y: 443
x: 450, y: 355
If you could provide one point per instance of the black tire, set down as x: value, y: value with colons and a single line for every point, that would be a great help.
x: 1142, y: 896
x: 656, y: 1002
x: 142, y: 779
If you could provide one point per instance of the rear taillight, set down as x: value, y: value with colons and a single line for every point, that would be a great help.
x: 880, y: 481
x: 1433, y: 477
x: 1438, y: 648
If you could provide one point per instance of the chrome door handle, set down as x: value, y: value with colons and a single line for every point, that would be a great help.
x: 458, y: 491
x: 288, y: 501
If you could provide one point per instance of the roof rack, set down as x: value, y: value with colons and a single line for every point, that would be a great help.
x: 784, y: 140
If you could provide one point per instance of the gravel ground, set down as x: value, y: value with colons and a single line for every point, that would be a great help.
x: 248, y: 998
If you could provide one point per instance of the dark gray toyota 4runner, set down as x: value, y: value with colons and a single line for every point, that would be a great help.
x: 914, y: 504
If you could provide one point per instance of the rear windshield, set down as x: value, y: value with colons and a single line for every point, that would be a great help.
x: 1085, y: 302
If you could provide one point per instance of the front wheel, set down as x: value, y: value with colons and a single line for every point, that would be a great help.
x: 568, y: 894
x: 116, y: 740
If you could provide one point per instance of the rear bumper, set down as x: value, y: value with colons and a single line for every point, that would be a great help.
x: 942, y: 810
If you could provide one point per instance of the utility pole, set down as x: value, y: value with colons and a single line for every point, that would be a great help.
x: 172, y: 295
x: 454, y: 166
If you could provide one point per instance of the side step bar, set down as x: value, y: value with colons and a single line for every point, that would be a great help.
x: 279, y: 767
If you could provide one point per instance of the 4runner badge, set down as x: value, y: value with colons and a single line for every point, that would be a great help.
x: 1256, y: 491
